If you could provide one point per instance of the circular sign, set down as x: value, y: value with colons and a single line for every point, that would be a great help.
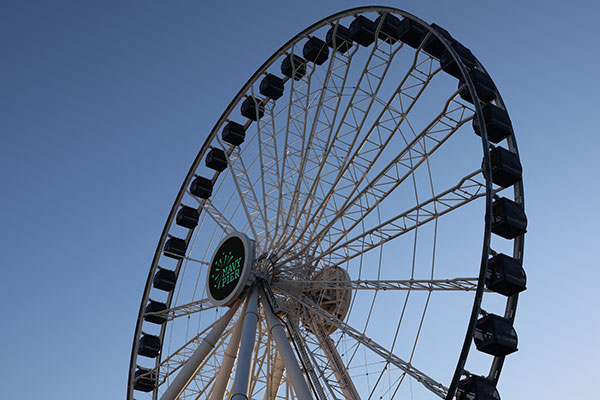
x: 229, y: 268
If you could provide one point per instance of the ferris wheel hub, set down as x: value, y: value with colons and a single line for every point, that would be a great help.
x: 331, y: 292
x: 328, y: 288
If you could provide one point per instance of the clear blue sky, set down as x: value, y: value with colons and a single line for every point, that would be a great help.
x: 103, y: 106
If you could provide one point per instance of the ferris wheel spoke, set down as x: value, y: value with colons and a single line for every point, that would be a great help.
x: 323, y: 120
x: 406, y: 367
x: 470, y: 188
x: 217, y: 216
x: 269, y: 166
x: 183, y: 310
x: 339, y: 222
x: 352, y: 170
x: 364, y: 93
x: 247, y: 196
x: 353, y: 119
x: 295, y: 142
x: 429, y: 285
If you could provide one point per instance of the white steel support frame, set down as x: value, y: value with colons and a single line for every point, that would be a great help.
x: 294, y: 373
x: 314, y: 373
x: 373, y: 141
x: 428, y: 382
x: 320, y: 223
x: 274, y: 379
x: 351, y: 212
x: 245, y: 188
x: 326, y: 103
x: 218, y: 389
x: 351, y: 122
x: 170, y: 365
x: 239, y: 390
x: 337, y: 364
x: 322, y: 362
x: 191, y: 366
x: 429, y: 285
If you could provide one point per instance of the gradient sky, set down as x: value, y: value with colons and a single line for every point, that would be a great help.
x: 104, y: 104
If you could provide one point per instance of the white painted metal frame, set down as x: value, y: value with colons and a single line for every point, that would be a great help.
x: 311, y: 196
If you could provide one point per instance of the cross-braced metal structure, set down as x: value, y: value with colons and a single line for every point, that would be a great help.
x: 364, y: 164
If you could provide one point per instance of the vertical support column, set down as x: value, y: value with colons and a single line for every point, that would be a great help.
x: 224, y: 374
x: 191, y: 366
x: 239, y: 390
x: 294, y: 373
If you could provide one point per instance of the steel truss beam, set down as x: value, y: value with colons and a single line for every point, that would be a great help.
x: 386, y: 355
x: 254, y: 211
x: 337, y: 223
x: 352, y: 121
x: 336, y: 363
x: 221, y: 220
x: 430, y: 285
x: 326, y: 104
x: 351, y: 171
x: 311, y: 367
x: 183, y: 310
x: 468, y: 189
x: 295, y: 144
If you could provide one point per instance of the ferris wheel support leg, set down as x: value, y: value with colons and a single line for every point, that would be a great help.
x: 193, y: 363
x: 294, y: 373
x: 339, y: 371
x: 275, y: 378
x: 230, y: 355
x: 239, y: 390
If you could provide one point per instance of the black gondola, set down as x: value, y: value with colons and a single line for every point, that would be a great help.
x: 506, y: 167
x: 149, y: 346
x: 155, y: 307
x: 233, y: 133
x: 497, y: 123
x: 201, y: 187
x: 165, y: 279
x: 175, y: 248
x: 293, y: 66
x: 476, y: 388
x: 362, y: 31
x: 271, y: 86
x: 343, y: 42
x: 215, y: 159
x: 495, y: 335
x: 315, y: 50
x: 509, y: 220
x: 506, y: 275
x: 187, y: 217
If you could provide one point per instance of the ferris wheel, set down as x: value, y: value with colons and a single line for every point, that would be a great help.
x: 351, y: 228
